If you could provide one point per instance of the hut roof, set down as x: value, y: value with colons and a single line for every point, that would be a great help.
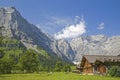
x: 102, y: 58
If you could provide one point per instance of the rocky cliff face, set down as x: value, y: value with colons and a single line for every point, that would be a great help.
x: 63, y: 49
x: 87, y: 45
x: 95, y: 45
x: 15, y: 26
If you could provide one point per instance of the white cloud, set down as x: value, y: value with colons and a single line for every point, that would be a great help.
x: 72, y: 30
x: 101, y: 26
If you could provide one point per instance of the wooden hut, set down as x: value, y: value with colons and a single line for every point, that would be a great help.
x: 97, y: 64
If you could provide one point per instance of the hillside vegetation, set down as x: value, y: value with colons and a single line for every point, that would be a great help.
x: 15, y: 58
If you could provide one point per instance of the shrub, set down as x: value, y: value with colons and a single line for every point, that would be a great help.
x: 114, y: 71
x: 58, y: 66
x: 66, y: 68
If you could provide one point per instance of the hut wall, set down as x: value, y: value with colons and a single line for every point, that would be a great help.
x: 101, y: 69
x: 87, y: 68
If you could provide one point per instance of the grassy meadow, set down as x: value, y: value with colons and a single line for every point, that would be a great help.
x: 54, y: 76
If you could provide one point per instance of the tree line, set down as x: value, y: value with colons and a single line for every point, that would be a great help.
x: 29, y: 62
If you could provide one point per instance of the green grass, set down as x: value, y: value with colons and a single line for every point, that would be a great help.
x: 54, y: 76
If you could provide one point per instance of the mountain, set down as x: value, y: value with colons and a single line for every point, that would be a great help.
x: 88, y: 45
x: 95, y: 45
x: 63, y: 49
x: 16, y: 27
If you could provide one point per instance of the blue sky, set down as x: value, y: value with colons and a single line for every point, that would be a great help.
x: 58, y: 16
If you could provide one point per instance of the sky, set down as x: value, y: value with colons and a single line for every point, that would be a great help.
x: 70, y: 18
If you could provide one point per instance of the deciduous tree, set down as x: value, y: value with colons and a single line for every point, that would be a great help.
x: 29, y: 61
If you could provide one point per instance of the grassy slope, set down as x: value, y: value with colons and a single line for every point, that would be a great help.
x: 53, y: 76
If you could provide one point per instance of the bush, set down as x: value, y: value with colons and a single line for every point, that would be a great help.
x: 114, y: 71
x: 66, y: 68
x: 58, y: 66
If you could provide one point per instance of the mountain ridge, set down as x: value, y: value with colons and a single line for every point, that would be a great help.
x: 15, y: 26
x: 19, y: 27
x: 32, y: 37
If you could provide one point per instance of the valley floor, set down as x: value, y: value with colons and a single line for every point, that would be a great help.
x: 53, y: 76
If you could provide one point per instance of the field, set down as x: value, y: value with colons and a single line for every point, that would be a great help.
x: 54, y: 76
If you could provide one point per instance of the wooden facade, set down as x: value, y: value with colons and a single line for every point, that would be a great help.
x: 96, y: 64
x: 88, y: 68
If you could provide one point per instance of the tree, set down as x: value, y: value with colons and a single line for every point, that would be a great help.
x: 58, y: 66
x: 66, y: 68
x: 29, y: 61
x: 114, y: 71
x: 6, y: 66
x: 1, y: 53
